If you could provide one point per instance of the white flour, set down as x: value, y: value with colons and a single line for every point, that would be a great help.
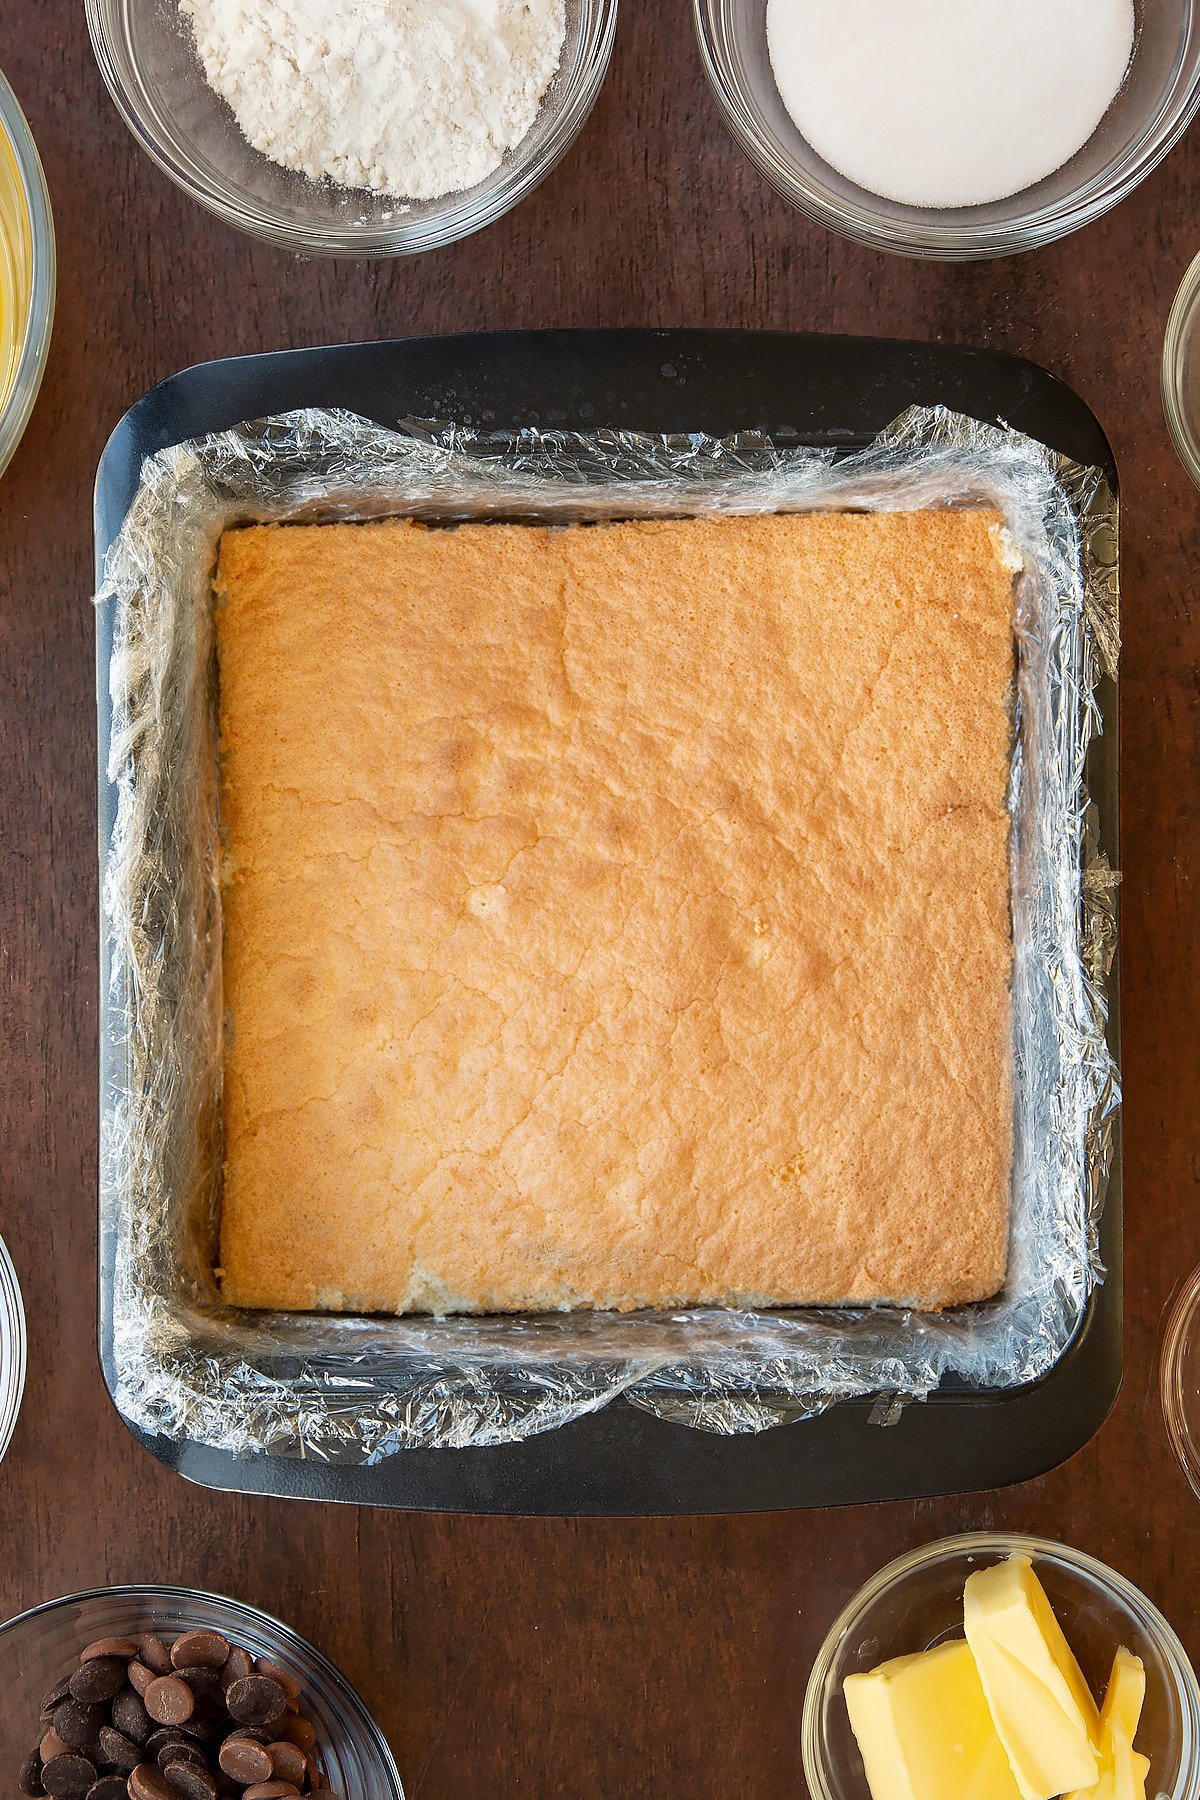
x: 948, y: 102
x: 415, y: 98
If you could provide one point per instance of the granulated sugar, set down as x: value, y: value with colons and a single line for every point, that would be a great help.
x: 416, y: 98
x: 948, y: 102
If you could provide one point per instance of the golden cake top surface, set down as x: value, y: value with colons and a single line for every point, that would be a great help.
x: 616, y: 915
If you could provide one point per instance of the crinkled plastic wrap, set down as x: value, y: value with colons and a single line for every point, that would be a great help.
x: 360, y: 1389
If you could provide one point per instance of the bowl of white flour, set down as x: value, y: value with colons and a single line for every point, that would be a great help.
x: 355, y: 127
x: 943, y: 129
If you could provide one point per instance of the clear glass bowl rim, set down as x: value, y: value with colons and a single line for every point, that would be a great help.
x: 31, y: 364
x: 1184, y: 433
x: 1001, y: 1543
x: 458, y: 218
x: 1180, y: 1431
x: 864, y: 224
x: 12, y: 1323
x: 155, y: 1593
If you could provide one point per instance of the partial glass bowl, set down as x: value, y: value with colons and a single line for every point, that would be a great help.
x: 12, y: 1348
x: 149, y: 61
x: 1180, y: 1370
x: 39, y: 1647
x: 27, y: 271
x: 1181, y: 371
x: 917, y: 1603
x: 1156, y: 104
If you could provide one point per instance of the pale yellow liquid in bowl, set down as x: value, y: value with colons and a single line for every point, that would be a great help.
x: 16, y: 266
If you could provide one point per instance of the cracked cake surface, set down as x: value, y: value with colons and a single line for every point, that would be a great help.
x: 616, y: 915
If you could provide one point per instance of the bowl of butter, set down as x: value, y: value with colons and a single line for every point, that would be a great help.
x: 993, y: 1667
x: 27, y: 273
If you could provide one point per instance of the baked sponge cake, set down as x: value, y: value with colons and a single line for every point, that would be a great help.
x: 618, y: 915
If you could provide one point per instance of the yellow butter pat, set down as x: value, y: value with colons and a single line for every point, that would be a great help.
x: 924, y: 1729
x: 1129, y: 1769
x: 1042, y: 1707
x: 1125, y: 1695
x: 1123, y: 1771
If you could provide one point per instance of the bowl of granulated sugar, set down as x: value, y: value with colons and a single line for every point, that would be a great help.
x: 934, y: 128
x: 359, y: 127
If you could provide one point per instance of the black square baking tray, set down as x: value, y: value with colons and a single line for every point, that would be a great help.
x: 829, y: 391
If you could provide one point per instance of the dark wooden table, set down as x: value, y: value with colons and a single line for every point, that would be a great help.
x: 503, y: 1656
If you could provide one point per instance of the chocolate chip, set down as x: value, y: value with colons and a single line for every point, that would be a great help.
x: 68, y: 1777
x: 272, y: 1790
x: 119, y: 1750
x: 299, y: 1730
x: 149, y: 1783
x: 193, y: 1781
x: 77, y: 1723
x: 287, y: 1762
x: 160, y: 1740
x: 98, y: 1679
x: 129, y: 1715
x: 204, y: 1727
x: 255, y: 1699
x: 58, y: 1692
x: 140, y: 1677
x: 202, y: 1678
x: 52, y: 1746
x: 287, y: 1681
x: 125, y: 1648
x: 246, y: 1760
x: 200, y: 1650
x: 186, y: 1751
x: 109, y: 1787
x: 239, y: 1662
x: 169, y: 1700
x: 154, y: 1653
x: 30, y: 1779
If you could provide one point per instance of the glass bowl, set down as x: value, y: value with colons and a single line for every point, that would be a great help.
x: 1149, y: 115
x: 39, y: 1647
x: 147, y: 57
x: 917, y: 1602
x: 27, y: 271
x: 12, y: 1348
x: 1181, y: 371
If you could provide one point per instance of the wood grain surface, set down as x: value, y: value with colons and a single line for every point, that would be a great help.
x: 507, y: 1657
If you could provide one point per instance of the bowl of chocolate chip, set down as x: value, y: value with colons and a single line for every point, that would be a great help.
x: 148, y: 1693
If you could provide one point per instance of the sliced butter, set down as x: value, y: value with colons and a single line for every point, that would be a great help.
x: 1123, y: 1771
x: 1125, y: 1695
x: 1129, y: 1770
x: 1043, y: 1710
x: 925, y: 1732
